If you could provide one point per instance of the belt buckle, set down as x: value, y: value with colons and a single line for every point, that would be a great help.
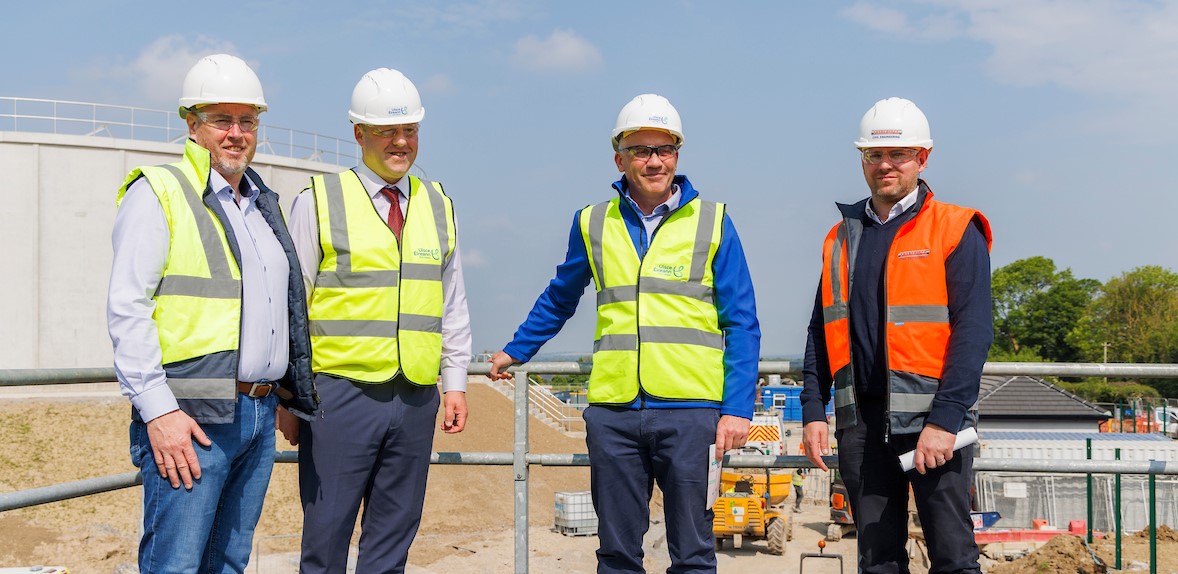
x: 265, y: 389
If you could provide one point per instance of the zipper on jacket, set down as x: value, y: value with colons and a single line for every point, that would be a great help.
x: 400, y: 266
x: 887, y: 360
x: 850, y: 352
x: 637, y: 298
x: 400, y: 262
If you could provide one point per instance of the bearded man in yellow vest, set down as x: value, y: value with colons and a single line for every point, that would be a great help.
x: 208, y: 317
x: 900, y: 329
x: 676, y: 347
x: 388, y: 312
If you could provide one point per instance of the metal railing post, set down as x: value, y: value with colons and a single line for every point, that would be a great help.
x: 1153, y: 524
x: 520, y: 467
x: 1117, y: 505
x: 1088, y: 443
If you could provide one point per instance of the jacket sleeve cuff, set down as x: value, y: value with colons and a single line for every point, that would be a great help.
x: 453, y: 379
x: 517, y: 353
x: 732, y: 410
x: 813, y: 412
x: 155, y: 402
x: 947, y: 416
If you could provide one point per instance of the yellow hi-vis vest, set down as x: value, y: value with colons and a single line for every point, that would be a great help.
x: 198, y: 301
x: 657, y: 326
x: 377, y: 306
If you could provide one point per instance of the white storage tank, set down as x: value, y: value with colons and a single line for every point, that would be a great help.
x: 575, y: 515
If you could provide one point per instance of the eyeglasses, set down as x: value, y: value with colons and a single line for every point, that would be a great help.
x: 225, y: 122
x: 643, y: 151
x: 410, y: 131
x: 893, y: 156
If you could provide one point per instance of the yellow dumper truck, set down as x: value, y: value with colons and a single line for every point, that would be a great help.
x: 752, y: 507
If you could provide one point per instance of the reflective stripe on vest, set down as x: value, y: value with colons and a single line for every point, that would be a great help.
x: 657, y: 326
x: 376, y: 309
x: 916, y: 325
x: 198, y: 301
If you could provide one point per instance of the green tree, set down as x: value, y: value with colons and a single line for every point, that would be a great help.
x: 1035, y: 307
x: 1134, y: 320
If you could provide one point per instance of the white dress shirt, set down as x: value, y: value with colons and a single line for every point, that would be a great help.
x: 900, y: 207
x: 141, y: 241
x: 456, y: 337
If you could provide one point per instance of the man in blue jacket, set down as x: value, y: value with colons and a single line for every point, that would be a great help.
x: 676, y: 346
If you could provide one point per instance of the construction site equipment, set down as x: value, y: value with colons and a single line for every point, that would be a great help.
x: 751, y: 506
x: 821, y: 555
x: 842, y: 521
x: 221, y: 79
x: 385, y: 97
x: 575, y: 515
x: 894, y: 122
x: 648, y: 111
x: 766, y: 433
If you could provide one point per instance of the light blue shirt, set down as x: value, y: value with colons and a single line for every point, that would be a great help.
x: 141, y: 242
x: 651, y: 222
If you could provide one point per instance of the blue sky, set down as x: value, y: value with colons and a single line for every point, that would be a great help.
x: 1057, y: 119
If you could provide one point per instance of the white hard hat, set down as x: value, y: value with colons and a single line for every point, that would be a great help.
x: 385, y: 97
x: 648, y: 111
x: 221, y: 79
x: 894, y: 122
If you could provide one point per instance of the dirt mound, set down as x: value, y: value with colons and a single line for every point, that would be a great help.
x: 1164, y: 534
x: 44, y: 443
x: 1064, y: 554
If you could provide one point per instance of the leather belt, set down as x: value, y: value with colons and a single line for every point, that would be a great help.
x: 256, y: 390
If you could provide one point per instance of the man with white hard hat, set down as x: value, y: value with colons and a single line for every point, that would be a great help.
x: 901, y: 327
x: 208, y: 317
x: 677, y: 343
x: 388, y: 312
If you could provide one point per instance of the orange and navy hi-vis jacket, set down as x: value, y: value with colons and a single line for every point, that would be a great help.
x: 916, y: 307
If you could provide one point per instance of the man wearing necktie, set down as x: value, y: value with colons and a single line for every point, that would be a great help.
x: 387, y: 308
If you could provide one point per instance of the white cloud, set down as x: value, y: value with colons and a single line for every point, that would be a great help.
x: 1124, y: 49
x: 877, y: 17
x: 561, y: 51
x: 438, y: 84
x: 458, y: 18
x: 894, y: 21
x: 474, y: 259
x: 1120, y: 53
x: 154, y: 76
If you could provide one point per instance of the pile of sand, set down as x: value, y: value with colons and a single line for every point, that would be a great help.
x: 1064, y: 554
x: 45, y: 443
x: 1164, y: 534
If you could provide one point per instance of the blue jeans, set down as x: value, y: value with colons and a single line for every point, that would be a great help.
x: 629, y: 451
x: 208, y: 529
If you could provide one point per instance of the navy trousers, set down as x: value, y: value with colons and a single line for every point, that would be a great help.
x: 878, y: 489
x: 631, y: 450
x: 371, y: 444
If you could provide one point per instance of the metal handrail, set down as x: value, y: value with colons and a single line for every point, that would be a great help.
x: 521, y: 460
x: 105, y: 120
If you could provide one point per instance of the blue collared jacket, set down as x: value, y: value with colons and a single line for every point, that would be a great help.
x: 735, y: 304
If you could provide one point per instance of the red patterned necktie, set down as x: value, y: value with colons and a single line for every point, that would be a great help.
x: 396, y: 217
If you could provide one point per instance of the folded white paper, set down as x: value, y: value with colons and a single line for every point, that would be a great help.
x: 713, y: 476
x: 964, y: 439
